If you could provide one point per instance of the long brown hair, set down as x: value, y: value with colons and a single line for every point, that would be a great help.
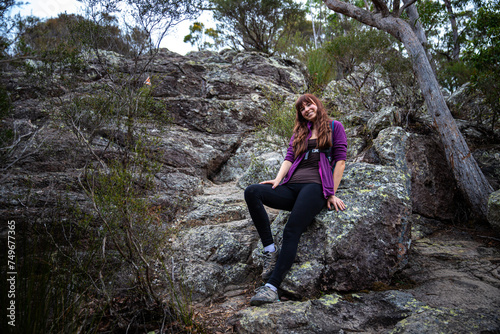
x: 301, y: 131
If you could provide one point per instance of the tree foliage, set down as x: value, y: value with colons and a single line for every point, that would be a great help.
x: 7, y: 23
x: 257, y: 25
x: 463, y: 38
x: 74, y: 33
x: 157, y: 17
x: 199, y: 36
x: 356, y: 47
x: 482, y: 52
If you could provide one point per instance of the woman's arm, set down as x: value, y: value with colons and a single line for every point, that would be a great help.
x: 333, y: 201
x: 285, y: 167
x: 337, y: 174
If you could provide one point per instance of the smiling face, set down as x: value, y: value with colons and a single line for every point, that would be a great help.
x: 309, y: 110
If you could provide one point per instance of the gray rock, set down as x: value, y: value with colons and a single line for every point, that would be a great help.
x: 223, y: 93
x: 218, y: 260
x: 248, y: 152
x: 356, y: 118
x: 494, y: 210
x: 386, y: 117
x: 363, y: 89
x: 354, y: 147
x: 422, y: 227
x: 434, y: 190
x: 489, y: 162
x: 453, y: 286
x: 379, y: 312
x: 264, y: 167
x: 181, y: 183
x: 469, y: 104
x: 391, y: 147
x: 355, y: 141
x: 217, y: 204
x: 197, y: 153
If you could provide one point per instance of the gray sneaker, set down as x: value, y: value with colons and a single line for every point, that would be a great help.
x: 269, y: 263
x: 264, y: 295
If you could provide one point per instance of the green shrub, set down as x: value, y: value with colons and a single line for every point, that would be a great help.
x: 321, y: 70
x: 279, y: 121
x: 370, y: 47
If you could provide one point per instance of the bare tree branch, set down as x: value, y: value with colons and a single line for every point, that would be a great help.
x: 395, y: 7
x: 360, y: 14
x: 382, y: 7
x: 406, y: 5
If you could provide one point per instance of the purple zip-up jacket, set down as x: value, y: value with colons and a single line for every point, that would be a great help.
x: 325, y: 167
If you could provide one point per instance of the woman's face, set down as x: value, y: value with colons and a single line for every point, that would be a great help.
x: 309, y: 111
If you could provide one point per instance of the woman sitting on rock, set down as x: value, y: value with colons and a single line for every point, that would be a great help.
x: 303, y: 186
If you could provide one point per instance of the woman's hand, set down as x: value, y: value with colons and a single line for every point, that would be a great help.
x: 335, y: 202
x: 285, y: 167
x: 275, y: 182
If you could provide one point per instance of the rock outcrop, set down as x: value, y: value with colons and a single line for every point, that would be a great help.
x: 387, y: 264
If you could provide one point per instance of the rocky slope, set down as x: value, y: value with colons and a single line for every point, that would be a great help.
x: 390, y: 263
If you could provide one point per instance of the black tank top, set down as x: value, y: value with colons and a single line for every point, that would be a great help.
x: 308, y: 170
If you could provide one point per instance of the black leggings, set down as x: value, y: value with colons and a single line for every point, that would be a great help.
x: 303, y: 200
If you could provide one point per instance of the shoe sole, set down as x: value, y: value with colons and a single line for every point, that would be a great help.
x: 261, y: 302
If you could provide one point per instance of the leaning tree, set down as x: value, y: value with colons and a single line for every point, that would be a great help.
x: 470, y: 178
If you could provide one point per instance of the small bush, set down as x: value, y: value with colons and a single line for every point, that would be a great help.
x: 321, y: 70
x: 279, y: 120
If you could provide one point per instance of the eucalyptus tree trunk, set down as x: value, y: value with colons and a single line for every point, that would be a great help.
x: 469, y: 177
x: 454, y: 29
x: 414, y: 20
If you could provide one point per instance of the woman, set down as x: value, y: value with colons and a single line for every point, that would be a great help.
x: 304, y: 185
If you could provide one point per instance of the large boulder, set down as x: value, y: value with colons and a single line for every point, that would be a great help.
x: 218, y: 204
x: 211, y: 259
x: 192, y: 152
x: 264, y: 167
x: 434, y: 191
x: 468, y: 103
x: 488, y: 159
x: 391, y: 146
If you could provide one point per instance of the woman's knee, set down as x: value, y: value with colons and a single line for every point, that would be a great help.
x: 251, y: 191
x: 292, y: 233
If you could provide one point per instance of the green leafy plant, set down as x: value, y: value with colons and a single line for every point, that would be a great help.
x: 199, y: 35
x: 279, y: 121
x: 483, y: 54
x: 321, y: 70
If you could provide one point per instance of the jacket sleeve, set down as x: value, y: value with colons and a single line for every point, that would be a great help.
x: 339, y: 147
x: 289, y: 153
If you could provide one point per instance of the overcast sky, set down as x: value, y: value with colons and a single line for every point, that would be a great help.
x: 51, y: 8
